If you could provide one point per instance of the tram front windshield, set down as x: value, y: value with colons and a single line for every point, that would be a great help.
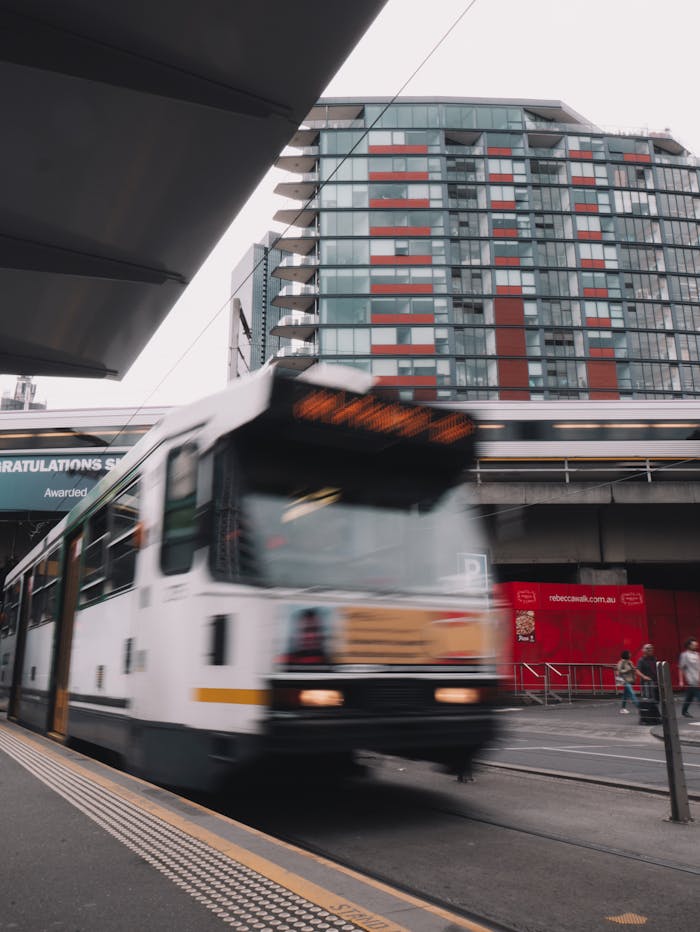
x: 294, y: 523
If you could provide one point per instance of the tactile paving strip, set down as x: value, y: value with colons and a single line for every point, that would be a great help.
x: 242, y: 898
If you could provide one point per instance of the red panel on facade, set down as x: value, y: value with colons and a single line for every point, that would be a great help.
x: 602, y: 379
x: 511, y: 373
x: 401, y: 260
x: 408, y: 202
x: 503, y: 205
x: 586, y: 208
x: 506, y: 233
x: 499, y: 150
x: 404, y: 349
x: 400, y: 231
x: 592, y: 263
x: 598, y: 322
x: 582, y: 180
x: 388, y: 150
x: 425, y: 394
x: 509, y: 289
x: 507, y: 260
x: 398, y: 176
x: 580, y: 154
x: 407, y: 380
x: 636, y: 157
x: 407, y: 319
x: 509, y: 312
x: 603, y: 351
x: 501, y: 178
x: 595, y: 292
x: 590, y: 234
x: 510, y: 341
x: 408, y: 288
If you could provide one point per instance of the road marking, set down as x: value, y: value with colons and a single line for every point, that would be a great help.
x: 649, y: 760
x: 628, y: 919
x: 569, y: 747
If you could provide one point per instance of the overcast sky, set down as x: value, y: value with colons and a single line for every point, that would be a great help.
x: 619, y: 63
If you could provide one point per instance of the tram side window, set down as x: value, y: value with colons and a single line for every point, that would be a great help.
x: 112, y: 542
x: 45, y: 589
x: 94, y: 575
x: 123, y: 539
x: 11, y: 609
x: 180, y: 511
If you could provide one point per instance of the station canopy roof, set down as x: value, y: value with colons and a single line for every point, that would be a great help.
x: 132, y: 133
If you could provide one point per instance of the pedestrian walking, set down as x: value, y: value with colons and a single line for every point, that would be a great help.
x: 625, y: 675
x: 689, y: 667
x: 647, y: 669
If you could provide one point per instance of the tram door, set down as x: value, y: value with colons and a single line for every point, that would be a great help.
x: 59, y: 726
x: 22, y: 622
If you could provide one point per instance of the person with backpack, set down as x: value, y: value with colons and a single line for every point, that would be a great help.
x: 647, y: 671
x: 625, y: 675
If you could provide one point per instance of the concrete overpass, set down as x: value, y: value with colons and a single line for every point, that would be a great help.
x: 623, y: 530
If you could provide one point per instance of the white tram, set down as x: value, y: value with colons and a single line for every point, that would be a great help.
x: 287, y: 567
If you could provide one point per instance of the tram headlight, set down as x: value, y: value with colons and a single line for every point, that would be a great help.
x: 320, y: 698
x: 456, y: 695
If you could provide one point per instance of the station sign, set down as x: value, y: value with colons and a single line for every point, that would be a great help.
x: 50, y: 483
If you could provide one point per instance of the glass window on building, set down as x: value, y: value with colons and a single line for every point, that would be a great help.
x: 581, y: 144
x: 624, y: 145
x: 341, y: 142
x: 345, y: 310
x: 635, y: 202
x: 683, y: 232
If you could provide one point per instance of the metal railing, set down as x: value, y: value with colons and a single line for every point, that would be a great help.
x: 547, y: 682
x: 645, y: 469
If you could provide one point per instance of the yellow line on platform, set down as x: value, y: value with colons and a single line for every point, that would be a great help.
x: 334, y: 903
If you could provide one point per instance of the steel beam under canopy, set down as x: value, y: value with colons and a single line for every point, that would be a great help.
x: 132, y: 134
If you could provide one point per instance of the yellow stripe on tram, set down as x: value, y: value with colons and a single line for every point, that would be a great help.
x: 232, y: 696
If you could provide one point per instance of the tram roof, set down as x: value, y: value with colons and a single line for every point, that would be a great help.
x: 132, y: 135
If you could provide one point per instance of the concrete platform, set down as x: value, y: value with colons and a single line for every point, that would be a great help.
x: 86, y: 846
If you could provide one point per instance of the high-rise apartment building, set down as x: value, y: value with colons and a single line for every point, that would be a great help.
x: 485, y: 249
x: 253, y: 315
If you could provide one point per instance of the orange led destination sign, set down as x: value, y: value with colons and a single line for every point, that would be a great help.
x: 381, y: 417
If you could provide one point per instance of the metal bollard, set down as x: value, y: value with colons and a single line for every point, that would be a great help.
x: 680, y: 809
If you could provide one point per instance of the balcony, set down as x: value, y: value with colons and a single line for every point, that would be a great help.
x: 334, y: 124
x: 296, y: 326
x: 302, y: 161
x: 300, y: 244
x: 297, y: 297
x: 297, y: 268
x: 301, y: 189
x: 296, y: 358
x: 305, y: 137
x: 298, y: 216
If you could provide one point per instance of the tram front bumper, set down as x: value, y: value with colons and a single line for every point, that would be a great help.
x: 303, y: 734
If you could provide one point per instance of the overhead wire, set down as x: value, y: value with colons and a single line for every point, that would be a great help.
x: 469, y: 6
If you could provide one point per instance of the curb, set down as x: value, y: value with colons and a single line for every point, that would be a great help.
x: 689, y: 740
x: 582, y: 778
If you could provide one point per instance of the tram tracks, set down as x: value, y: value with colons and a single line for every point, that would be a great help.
x: 332, y: 824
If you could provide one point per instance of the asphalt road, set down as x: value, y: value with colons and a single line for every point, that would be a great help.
x: 528, y: 852
x: 593, y: 740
